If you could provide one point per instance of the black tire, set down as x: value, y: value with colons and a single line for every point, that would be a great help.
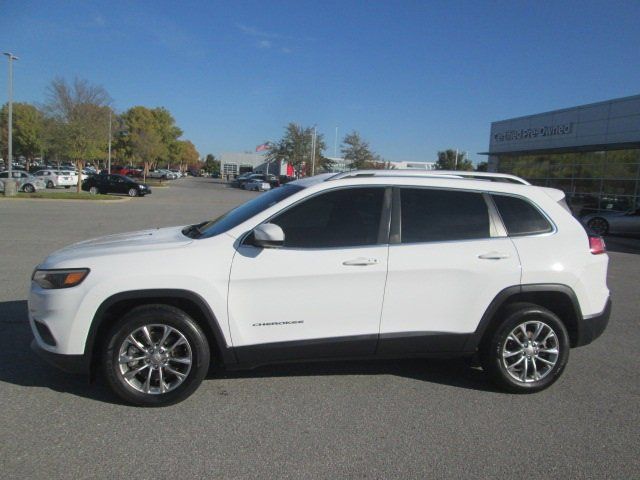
x: 28, y: 188
x: 133, y: 192
x: 67, y: 187
x: 496, y: 341
x: 93, y: 190
x: 598, y: 225
x: 50, y: 184
x: 155, y: 315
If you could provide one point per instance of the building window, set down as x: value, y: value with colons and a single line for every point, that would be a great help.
x: 592, y: 181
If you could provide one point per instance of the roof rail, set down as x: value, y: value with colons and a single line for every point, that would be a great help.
x: 494, y: 177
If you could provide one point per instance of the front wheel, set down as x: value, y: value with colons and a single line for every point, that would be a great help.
x: 528, y: 351
x: 156, y: 355
x: 133, y: 192
x: 93, y: 190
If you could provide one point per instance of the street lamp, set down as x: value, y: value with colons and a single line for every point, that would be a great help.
x: 11, y: 190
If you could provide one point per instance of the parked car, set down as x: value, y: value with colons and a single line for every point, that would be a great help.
x: 55, y: 178
x: 127, y: 171
x: 115, y: 184
x: 162, y: 173
x: 617, y: 223
x: 501, y: 271
x: 26, y: 183
x: 257, y: 185
x: 240, y: 180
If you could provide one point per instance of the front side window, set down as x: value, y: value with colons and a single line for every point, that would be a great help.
x: 431, y: 215
x: 339, y: 218
x: 520, y: 217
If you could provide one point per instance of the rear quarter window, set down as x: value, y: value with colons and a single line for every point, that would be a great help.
x: 520, y: 217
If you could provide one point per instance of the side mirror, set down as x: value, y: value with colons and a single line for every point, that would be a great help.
x: 268, y: 235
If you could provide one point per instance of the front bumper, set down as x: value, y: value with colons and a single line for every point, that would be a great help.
x: 78, y: 364
x: 592, y: 327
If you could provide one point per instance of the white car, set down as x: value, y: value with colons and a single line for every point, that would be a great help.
x: 257, y: 185
x: 54, y: 178
x: 25, y: 182
x: 74, y: 175
x: 373, y: 264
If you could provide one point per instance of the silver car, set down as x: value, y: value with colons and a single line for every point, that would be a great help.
x: 26, y: 182
x: 624, y: 223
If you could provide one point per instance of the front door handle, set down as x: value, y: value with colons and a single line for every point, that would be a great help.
x: 494, y: 256
x: 360, y: 262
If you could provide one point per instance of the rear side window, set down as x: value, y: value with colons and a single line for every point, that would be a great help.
x: 520, y: 217
x: 441, y: 215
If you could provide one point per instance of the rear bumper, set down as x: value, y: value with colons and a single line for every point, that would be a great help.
x: 68, y: 363
x: 592, y: 327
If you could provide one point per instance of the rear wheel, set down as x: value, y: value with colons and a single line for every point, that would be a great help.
x: 528, y: 351
x: 28, y: 188
x: 93, y: 190
x: 598, y: 225
x: 156, y: 355
x: 50, y: 184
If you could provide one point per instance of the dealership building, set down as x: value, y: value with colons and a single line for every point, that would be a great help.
x: 591, y: 152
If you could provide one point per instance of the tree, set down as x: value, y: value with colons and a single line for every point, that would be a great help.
x: 79, y: 114
x: 357, y: 152
x: 141, y: 139
x: 482, y: 166
x: 295, y: 147
x: 211, y: 164
x: 187, y: 154
x: 28, y: 131
x: 447, y: 160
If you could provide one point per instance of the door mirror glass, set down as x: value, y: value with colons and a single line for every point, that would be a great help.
x: 268, y: 235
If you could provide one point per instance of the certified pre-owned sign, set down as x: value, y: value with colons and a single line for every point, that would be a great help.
x: 534, y: 132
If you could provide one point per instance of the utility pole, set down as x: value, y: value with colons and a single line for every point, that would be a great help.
x: 313, y: 153
x: 335, y: 145
x: 10, y: 190
x: 455, y: 167
x: 109, y: 157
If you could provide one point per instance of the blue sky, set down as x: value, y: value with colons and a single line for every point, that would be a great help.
x: 411, y: 77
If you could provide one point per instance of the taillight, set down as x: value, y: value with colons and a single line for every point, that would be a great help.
x: 597, y: 245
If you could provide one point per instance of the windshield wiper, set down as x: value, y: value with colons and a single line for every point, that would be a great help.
x: 193, y: 231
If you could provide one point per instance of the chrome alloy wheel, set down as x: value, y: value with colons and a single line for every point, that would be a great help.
x: 155, y: 359
x: 530, y: 351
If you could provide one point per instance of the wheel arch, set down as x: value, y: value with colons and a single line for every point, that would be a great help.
x: 558, y: 298
x: 194, y: 305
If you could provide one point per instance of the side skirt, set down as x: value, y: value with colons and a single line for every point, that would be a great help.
x: 361, y: 347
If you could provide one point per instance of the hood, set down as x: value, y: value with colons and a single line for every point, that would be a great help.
x: 122, y: 243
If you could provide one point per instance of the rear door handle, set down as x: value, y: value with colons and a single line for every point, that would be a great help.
x: 360, y: 262
x: 494, y: 256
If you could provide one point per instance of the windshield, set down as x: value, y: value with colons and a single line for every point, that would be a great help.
x: 240, y: 214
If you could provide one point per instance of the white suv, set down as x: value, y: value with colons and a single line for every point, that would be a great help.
x: 362, y: 264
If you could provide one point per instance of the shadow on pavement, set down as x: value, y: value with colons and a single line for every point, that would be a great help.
x: 21, y: 366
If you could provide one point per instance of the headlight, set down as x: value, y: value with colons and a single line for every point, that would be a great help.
x: 60, y: 278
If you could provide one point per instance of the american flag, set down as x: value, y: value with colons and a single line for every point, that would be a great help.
x: 263, y: 147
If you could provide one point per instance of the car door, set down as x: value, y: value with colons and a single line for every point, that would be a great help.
x: 448, y: 258
x: 116, y: 184
x: 320, y: 294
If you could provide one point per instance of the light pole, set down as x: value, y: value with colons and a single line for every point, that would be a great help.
x: 109, y: 156
x: 10, y: 190
x: 313, y: 152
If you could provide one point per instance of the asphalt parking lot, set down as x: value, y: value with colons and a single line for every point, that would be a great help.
x: 387, y: 419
